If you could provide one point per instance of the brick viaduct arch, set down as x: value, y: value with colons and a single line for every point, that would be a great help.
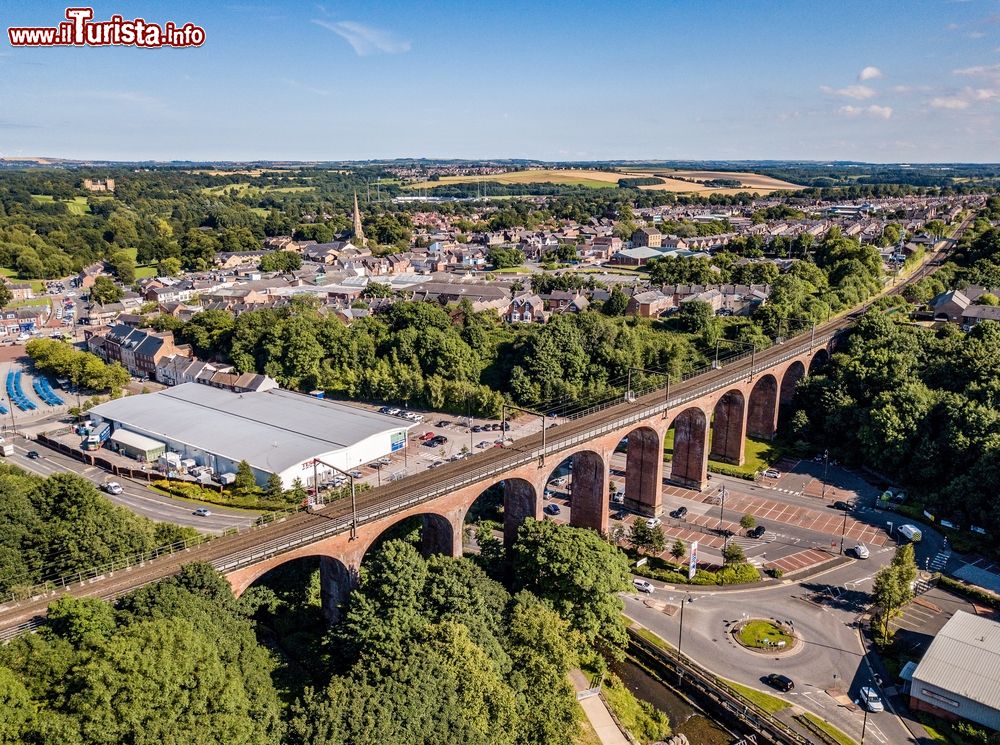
x: 715, y: 424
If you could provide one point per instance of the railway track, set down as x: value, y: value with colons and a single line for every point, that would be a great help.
x: 235, y: 551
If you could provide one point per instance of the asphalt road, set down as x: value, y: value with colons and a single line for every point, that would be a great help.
x: 828, y: 666
x: 137, y: 498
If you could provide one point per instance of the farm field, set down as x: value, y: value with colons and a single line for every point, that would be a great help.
x: 749, y: 181
x: 569, y: 177
x: 603, y: 179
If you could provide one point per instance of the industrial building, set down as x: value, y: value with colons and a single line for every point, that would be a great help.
x: 275, y: 431
x: 959, y: 675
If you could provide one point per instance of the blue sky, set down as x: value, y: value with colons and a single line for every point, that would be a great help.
x: 876, y: 80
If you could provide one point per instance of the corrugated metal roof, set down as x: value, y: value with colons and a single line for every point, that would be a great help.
x: 272, y: 430
x: 135, y: 440
x: 964, y: 659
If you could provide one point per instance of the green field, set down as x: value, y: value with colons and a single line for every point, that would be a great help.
x: 247, y: 189
x: 75, y: 206
x: 37, y: 285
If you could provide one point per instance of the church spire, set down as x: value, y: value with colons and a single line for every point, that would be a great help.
x: 359, y: 234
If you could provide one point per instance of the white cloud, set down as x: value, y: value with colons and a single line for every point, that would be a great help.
x: 870, y: 73
x: 949, y: 102
x: 975, y: 34
x: 304, y: 87
x: 877, y: 112
x: 366, y: 40
x: 857, y: 92
x: 980, y: 71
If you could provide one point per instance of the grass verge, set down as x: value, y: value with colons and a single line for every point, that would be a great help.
x: 762, y: 634
x: 767, y: 702
x: 828, y: 729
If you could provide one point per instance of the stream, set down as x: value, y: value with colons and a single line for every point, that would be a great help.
x: 684, y: 718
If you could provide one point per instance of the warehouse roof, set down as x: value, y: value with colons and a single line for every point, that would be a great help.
x: 272, y: 430
x: 964, y: 659
x: 135, y: 440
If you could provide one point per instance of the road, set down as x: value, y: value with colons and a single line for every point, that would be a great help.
x: 139, y: 499
x: 829, y: 665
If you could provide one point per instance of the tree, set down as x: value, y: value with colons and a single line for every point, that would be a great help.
x: 504, y: 258
x: 298, y: 494
x: 616, y: 303
x: 748, y: 522
x: 377, y: 289
x: 105, y: 291
x: 733, y: 554
x: 578, y: 573
x: 168, y: 267
x: 678, y: 549
x: 6, y: 296
x: 245, y: 483
x: 274, y: 489
x: 890, y: 592
x: 695, y: 316
x: 281, y: 261
x: 123, y: 265
x: 645, y: 538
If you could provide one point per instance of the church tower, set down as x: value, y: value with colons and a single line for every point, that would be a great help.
x: 359, y: 234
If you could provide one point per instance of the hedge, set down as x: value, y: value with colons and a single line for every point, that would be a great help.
x: 972, y: 592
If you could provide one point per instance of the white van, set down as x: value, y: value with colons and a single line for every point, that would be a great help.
x: 910, y: 532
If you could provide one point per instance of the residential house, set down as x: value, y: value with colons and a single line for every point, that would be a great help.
x: 650, y: 304
x: 564, y: 301
x: 137, y: 350
x: 949, y: 306
x: 976, y: 313
x: 648, y: 237
x: 89, y: 274
x: 20, y: 291
x: 526, y: 308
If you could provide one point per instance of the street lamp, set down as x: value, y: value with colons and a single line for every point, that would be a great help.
x: 722, y: 509
x: 864, y: 726
x: 744, y: 344
x: 826, y: 466
x: 503, y: 423
x: 680, y: 636
x: 354, y: 502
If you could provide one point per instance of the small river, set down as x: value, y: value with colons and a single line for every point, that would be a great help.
x: 684, y: 718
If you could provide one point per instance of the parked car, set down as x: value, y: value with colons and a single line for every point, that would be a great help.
x: 618, y: 515
x: 202, y: 512
x: 356, y: 474
x: 781, y: 682
x: 842, y: 506
x: 392, y: 412
x: 679, y: 513
x: 653, y: 522
x: 552, y: 509
x: 441, y: 439
x: 559, y: 481
x: 618, y: 497
x: 861, y: 551
x: 643, y: 585
x: 772, y: 473
x: 548, y: 494
x: 426, y: 436
x: 483, y: 444
x: 477, y: 428
x: 871, y: 700
x: 113, y: 487
x: 443, y: 423
x: 495, y: 427
x: 756, y: 532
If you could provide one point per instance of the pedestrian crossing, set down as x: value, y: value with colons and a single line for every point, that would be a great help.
x: 939, y: 562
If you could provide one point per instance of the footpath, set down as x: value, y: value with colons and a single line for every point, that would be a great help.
x: 597, y: 713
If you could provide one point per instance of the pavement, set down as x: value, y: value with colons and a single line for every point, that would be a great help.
x: 597, y: 713
x: 136, y: 497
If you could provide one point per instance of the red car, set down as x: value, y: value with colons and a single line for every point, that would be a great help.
x: 427, y: 436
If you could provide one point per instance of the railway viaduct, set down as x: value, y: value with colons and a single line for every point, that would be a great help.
x: 712, y: 419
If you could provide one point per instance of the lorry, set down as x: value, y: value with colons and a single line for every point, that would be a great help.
x: 96, y: 439
x: 6, y: 450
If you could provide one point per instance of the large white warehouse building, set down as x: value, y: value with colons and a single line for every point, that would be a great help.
x: 275, y: 431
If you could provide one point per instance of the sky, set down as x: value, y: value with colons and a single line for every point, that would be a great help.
x: 913, y: 81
